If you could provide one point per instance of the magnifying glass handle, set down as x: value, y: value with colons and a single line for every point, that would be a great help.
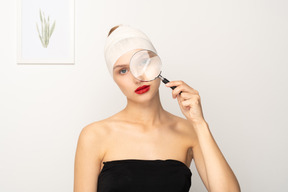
x: 164, y: 80
x: 167, y: 81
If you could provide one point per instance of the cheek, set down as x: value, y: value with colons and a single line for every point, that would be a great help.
x: 124, y: 85
x: 157, y: 83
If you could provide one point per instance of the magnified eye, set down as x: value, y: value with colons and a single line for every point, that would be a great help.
x: 144, y: 61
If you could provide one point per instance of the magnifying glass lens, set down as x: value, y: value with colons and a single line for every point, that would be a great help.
x: 145, y: 65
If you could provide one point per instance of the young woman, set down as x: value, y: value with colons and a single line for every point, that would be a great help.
x: 144, y: 148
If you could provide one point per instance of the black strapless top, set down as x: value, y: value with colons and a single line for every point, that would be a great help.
x: 137, y: 175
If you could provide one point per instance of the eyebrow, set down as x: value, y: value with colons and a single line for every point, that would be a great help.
x: 122, y: 65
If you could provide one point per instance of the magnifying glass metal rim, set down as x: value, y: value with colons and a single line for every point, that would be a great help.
x: 159, y: 75
x: 164, y: 80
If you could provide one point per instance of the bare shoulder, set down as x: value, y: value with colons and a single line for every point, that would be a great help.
x: 183, y: 126
x: 97, y: 128
x: 89, y: 154
x: 94, y: 135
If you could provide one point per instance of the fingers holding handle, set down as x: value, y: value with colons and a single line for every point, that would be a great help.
x: 164, y: 80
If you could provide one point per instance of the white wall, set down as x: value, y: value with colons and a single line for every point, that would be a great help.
x: 233, y: 52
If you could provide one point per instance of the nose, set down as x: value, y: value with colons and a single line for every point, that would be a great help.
x: 142, y: 78
x: 137, y: 81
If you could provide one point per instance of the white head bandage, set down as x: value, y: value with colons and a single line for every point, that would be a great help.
x: 124, y: 39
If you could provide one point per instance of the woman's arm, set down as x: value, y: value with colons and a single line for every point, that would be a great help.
x: 213, y: 169
x: 87, y: 160
x: 218, y: 174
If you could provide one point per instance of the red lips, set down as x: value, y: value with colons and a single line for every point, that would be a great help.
x: 142, y: 89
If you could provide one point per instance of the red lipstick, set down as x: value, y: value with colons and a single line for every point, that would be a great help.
x: 142, y: 89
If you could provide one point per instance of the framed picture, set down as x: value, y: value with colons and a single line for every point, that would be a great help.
x: 45, y: 32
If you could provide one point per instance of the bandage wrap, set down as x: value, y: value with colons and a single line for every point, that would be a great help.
x: 123, y: 39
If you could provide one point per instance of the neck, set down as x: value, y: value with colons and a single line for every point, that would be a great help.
x: 148, y: 113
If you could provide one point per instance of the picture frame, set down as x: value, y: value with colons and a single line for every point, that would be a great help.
x: 45, y: 30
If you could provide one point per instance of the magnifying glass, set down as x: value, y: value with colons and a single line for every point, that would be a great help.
x: 145, y: 65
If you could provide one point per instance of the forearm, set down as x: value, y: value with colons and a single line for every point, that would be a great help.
x: 219, y: 174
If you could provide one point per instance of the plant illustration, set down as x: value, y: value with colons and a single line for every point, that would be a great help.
x: 46, y: 29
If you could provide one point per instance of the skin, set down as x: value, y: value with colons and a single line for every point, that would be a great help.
x: 155, y: 134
